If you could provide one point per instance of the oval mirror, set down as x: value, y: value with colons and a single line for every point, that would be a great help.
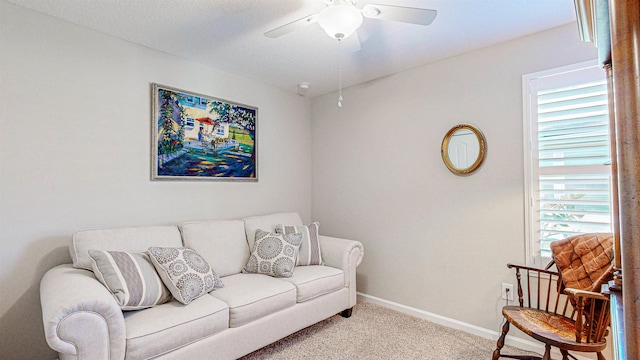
x: 463, y: 149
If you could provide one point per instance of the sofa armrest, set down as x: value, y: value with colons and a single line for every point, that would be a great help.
x: 341, y: 253
x: 81, y: 318
x: 345, y: 255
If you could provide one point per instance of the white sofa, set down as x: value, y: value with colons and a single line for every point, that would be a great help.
x: 83, y: 321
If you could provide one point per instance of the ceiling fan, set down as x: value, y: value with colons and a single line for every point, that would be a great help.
x: 341, y: 18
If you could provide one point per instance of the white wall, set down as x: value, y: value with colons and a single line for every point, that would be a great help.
x: 433, y: 240
x: 75, y: 153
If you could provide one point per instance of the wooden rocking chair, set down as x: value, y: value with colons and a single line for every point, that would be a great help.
x: 564, y: 309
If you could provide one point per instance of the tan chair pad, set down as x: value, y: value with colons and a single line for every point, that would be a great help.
x: 584, y: 261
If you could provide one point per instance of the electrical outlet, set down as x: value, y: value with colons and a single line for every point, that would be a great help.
x: 507, y: 291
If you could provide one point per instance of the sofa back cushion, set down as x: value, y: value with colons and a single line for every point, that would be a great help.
x: 268, y: 223
x: 221, y: 243
x: 134, y: 239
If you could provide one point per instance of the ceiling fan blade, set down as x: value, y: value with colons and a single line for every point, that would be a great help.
x: 292, y: 26
x: 400, y: 13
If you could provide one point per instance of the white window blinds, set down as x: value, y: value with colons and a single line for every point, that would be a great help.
x: 570, y: 158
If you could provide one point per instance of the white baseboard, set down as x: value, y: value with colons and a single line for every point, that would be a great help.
x: 517, y: 342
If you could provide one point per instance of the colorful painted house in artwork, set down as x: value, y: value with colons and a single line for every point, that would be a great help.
x: 201, y: 120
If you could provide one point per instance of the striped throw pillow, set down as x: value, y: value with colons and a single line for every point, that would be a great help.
x: 130, y: 277
x: 309, y: 252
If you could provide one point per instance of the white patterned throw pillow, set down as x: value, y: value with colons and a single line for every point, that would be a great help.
x: 130, y: 277
x: 309, y: 252
x: 273, y: 254
x: 186, y: 273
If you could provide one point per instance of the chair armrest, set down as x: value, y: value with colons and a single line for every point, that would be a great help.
x: 345, y: 255
x: 585, y: 294
x: 592, y: 312
x: 522, y: 267
x: 80, y: 316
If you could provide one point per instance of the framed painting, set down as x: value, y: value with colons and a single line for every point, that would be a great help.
x: 200, y: 137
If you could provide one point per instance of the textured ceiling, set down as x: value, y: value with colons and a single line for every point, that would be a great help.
x: 228, y: 34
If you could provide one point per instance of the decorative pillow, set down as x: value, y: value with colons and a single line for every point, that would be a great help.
x: 130, y: 277
x: 273, y: 254
x: 187, y: 274
x: 309, y: 252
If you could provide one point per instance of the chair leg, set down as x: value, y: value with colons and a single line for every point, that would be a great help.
x: 500, y: 342
x: 547, y: 352
x: 565, y: 354
x: 600, y: 356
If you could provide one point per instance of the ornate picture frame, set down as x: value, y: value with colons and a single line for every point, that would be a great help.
x: 200, y: 137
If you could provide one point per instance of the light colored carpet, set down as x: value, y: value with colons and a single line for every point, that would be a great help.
x: 376, y: 332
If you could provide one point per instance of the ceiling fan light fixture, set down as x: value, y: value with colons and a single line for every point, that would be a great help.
x: 340, y: 21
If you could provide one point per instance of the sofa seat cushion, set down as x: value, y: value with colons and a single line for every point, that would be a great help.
x: 164, y: 328
x: 315, y: 280
x: 252, y: 296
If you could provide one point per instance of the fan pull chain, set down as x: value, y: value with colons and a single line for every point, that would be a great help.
x: 339, y: 73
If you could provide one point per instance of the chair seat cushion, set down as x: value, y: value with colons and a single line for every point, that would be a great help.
x: 552, y: 329
x: 252, y: 296
x: 315, y: 280
x: 164, y: 328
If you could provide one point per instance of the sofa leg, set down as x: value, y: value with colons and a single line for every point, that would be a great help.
x: 346, y: 313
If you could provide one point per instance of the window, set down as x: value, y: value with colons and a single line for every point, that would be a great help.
x: 190, y: 123
x: 567, y: 156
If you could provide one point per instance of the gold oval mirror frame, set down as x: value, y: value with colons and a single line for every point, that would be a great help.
x: 463, y: 149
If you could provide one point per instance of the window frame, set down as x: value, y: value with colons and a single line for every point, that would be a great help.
x: 533, y: 254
